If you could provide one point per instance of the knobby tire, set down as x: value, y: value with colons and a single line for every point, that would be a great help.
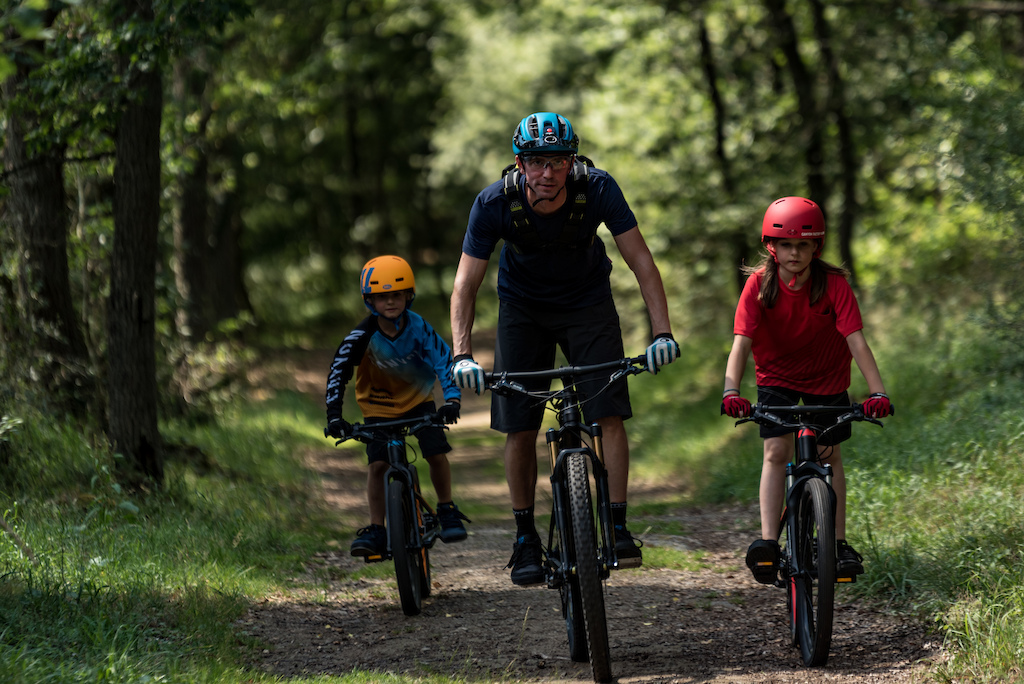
x: 401, y: 519
x: 587, y: 576
x: 814, y: 588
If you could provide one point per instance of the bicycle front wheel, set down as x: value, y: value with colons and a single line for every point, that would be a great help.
x: 814, y: 584
x: 402, y: 534
x: 587, y: 575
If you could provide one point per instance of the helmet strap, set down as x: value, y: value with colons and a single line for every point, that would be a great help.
x: 793, y: 280
x: 546, y: 199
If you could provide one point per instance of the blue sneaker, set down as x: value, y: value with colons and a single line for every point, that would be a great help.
x: 370, y: 541
x: 450, y: 517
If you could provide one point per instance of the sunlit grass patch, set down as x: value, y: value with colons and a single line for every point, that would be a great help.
x: 656, y: 556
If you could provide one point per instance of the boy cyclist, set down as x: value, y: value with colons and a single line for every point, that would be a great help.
x: 798, y: 315
x: 396, y: 356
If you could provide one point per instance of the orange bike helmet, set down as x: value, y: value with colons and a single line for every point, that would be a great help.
x: 386, y: 274
x: 794, y: 218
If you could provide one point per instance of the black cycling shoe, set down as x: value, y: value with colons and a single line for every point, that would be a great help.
x: 763, y: 560
x: 848, y: 561
x: 627, y: 549
x: 527, y: 561
x: 370, y: 541
x: 450, y: 517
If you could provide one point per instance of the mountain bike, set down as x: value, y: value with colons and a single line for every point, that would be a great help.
x: 808, y: 564
x: 580, y: 550
x: 412, y: 525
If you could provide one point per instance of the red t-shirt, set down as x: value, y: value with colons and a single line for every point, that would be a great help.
x: 796, y: 345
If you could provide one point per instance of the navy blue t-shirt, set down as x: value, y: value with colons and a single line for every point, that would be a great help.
x: 554, y: 276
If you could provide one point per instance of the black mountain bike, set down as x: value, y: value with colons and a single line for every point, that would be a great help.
x: 412, y: 525
x: 580, y: 550
x: 808, y: 564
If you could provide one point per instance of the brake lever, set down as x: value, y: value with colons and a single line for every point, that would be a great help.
x: 507, y: 388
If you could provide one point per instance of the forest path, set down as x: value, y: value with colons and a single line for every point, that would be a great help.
x: 711, y: 624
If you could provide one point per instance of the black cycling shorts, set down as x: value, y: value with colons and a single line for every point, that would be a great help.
x: 783, y: 396
x: 432, y: 439
x: 527, y: 340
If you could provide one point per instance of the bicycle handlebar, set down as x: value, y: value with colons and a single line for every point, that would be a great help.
x: 369, y: 432
x: 503, y: 382
x: 763, y: 414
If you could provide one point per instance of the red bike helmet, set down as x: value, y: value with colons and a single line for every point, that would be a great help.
x: 794, y: 218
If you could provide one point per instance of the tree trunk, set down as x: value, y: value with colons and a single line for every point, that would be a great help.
x: 192, y: 253
x: 227, y: 282
x: 131, y: 308
x: 807, y: 108
x: 738, y: 237
x: 38, y: 215
x: 848, y: 164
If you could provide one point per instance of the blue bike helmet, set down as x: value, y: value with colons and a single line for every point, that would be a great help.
x: 545, y: 133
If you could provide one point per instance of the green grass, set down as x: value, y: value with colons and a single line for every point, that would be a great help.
x: 129, y: 588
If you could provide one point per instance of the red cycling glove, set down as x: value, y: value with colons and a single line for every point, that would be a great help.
x: 878, y: 406
x: 735, y: 406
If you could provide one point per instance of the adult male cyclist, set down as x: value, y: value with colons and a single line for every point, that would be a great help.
x: 554, y: 289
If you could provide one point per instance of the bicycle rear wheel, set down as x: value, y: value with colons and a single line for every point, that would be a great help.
x: 814, y: 585
x: 587, y: 575
x: 402, y: 534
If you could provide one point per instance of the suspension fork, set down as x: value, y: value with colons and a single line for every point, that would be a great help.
x: 400, y: 469
x: 604, y: 509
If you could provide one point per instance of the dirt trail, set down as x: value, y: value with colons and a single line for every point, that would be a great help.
x: 711, y: 625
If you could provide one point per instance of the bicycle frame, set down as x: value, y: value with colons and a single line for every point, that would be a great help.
x: 808, y: 566
x: 581, y: 559
x: 399, y: 468
x: 804, y: 467
x: 561, y: 445
x: 569, y: 439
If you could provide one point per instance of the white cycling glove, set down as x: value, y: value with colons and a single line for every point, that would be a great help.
x: 468, y: 374
x: 662, y: 351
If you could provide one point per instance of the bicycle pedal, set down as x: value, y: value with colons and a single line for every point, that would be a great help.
x: 628, y: 563
x: 378, y: 558
x: 846, y: 579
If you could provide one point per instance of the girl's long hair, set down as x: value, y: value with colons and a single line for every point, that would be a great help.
x: 769, y: 294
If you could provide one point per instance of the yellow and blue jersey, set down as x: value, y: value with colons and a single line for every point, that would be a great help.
x: 393, y: 375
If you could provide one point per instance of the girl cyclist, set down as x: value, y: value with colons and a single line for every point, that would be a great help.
x: 798, y: 315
